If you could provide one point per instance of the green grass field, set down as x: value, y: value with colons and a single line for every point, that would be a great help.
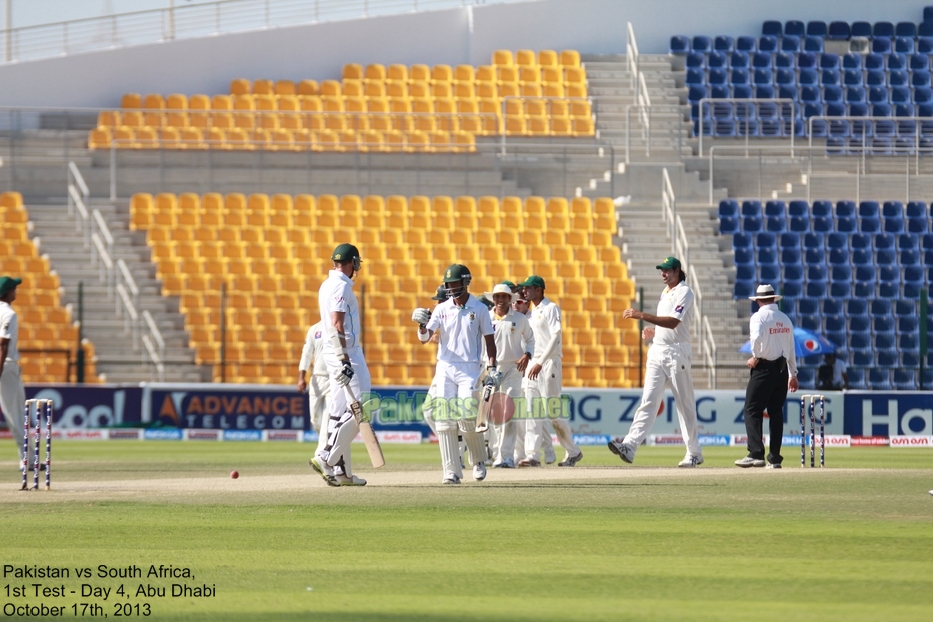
x: 603, y: 542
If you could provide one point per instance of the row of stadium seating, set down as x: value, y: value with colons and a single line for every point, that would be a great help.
x: 390, y: 109
x: 44, y: 324
x: 850, y: 271
x: 272, y: 254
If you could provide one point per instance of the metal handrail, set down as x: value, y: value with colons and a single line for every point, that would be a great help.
x: 128, y: 280
x: 631, y: 54
x: 153, y: 358
x: 103, y: 229
x: 198, y: 20
x: 156, y: 333
x: 650, y: 111
x: 107, y: 274
x: 77, y: 207
x: 79, y: 180
x: 750, y: 100
x: 668, y: 206
x: 710, y: 355
x: 131, y: 317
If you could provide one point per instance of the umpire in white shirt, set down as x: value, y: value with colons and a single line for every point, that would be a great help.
x: 773, y: 366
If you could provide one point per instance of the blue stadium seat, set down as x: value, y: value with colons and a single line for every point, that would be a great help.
x: 695, y: 60
x: 879, y: 379
x: 751, y: 208
x: 840, y: 289
x: 909, y: 359
x: 896, y: 62
x: 907, y: 323
x: 767, y: 44
x: 718, y: 60
x: 799, y: 224
x: 860, y: 325
x: 894, y: 224
x: 810, y: 322
x: 790, y: 43
x: 789, y: 241
x: 899, y: 77
x: 903, y: 45
x: 739, y: 76
x: 853, y: 77
x: 785, y: 77
x: 813, y: 44
x: 719, y: 91
x: 744, y: 289
x: 904, y: 380
x: 860, y: 241
x: 752, y: 224
x: 844, y: 208
x: 741, y: 91
x: 829, y: 61
x: 814, y: 257
x: 857, y: 379
x: 795, y: 28
x: 728, y: 207
x: 822, y: 224
x: 718, y: 77
x: 785, y: 60
x: 856, y: 308
x: 769, y: 273
x: 874, y: 62
x: 742, y: 240
x: 744, y: 256
x: 745, y: 272
x: 695, y: 93
x: 881, y: 46
x: 886, y: 257
x: 763, y: 77
x: 846, y: 224
x: 739, y: 60
x: 680, y: 45
x: 773, y: 28
x: 917, y: 224
x: 865, y: 274
x: 841, y: 274
x: 808, y: 77
x: 833, y: 93
x: 775, y: 208
x: 723, y: 43
x: 920, y: 78
x: 884, y: 241
x: 883, y: 30
x: 775, y: 224
x: 793, y: 288
x: 838, y: 31
x: 836, y: 108
x: 852, y: 61
x: 840, y: 257
x: 791, y: 257
x: 702, y: 43
x: 887, y: 358
x: 816, y: 288
x: 808, y: 306
x: 879, y: 307
x: 695, y: 77
x: 798, y: 208
x: 764, y: 91
x: 903, y: 309
x: 817, y: 272
x: 766, y: 240
x: 814, y: 240
x: 806, y: 377
x: 925, y: 42
x: 905, y: 29
x: 916, y: 209
x: 729, y: 225
x: 816, y: 29
x: 919, y: 61
x: 834, y: 323
x: 833, y: 306
x: 861, y: 29
x: 761, y: 60
x: 837, y: 241
x: 914, y: 281
x: 869, y: 224
x: 746, y: 44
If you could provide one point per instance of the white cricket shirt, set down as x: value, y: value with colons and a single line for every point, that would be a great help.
x: 676, y: 302
x: 462, y: 330
x: 312, y: 352
x: 9, y: 329
x: 772, y: 336
x: 545, y: 322
x: 514, y: 336
x: 336, y: 295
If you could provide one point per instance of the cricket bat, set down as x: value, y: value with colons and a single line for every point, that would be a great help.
x: 482, y: 417
x: 366, y: 430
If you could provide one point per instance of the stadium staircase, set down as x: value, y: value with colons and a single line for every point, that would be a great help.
x: 118, y: 357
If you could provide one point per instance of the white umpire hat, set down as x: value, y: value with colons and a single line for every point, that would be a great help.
x: 765, y: 291
x: 501, y: 288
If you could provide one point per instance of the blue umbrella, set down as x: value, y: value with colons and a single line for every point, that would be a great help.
x: 806, y: 343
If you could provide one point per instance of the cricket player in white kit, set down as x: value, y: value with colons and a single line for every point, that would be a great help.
x: 545, y: 377
x: 12, y: 392
x: 343, y: 355
x: 515, y: 342
x: 463, y: 323
x: 312, y: 359
x: 439, y: 297
x: 669, y: 359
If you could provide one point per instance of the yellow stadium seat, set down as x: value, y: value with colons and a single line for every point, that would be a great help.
x: 99, y: 138
x: 352, y: 71
x: 502, y: 57
x: 570, y: 58
x: 548, y: 58
x: 131, y: 101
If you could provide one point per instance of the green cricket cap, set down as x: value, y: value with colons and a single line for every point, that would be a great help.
x: 457, y: 272
x: 532, y: 281
x: 8, y: 283
x: 510, y: 284
x: 441, y: 294
x: 345, y: 252
x: 669, y: 263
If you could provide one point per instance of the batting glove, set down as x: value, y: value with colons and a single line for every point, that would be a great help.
x: 493, y: 378
x: 345, y: 375
x: 421, y: 316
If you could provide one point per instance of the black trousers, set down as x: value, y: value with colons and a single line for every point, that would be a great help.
x: 766, y: 390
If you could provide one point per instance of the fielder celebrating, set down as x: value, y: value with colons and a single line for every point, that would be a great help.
x: 12, y: 392
x: 545, y: 376
x: 343, y: 356
x: 463, y: 324
x: 312, y: 359
x: 515, y: 342
x: 668, y: 359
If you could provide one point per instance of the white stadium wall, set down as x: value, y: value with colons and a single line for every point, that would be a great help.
x: 207, y: 65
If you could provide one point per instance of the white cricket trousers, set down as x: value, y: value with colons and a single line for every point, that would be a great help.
x: 319, y: 406
x: 503, y: 441
x: 667, y: 363
x: 547, y: 385
x: 13, y: 401
x: 459, y: 384
x: 341, y: 426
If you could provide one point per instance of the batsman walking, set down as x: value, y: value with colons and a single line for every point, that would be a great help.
x: 312, y: 359
x: 343, y: 355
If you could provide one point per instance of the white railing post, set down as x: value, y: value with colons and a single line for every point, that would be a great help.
x: 81, y: 214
